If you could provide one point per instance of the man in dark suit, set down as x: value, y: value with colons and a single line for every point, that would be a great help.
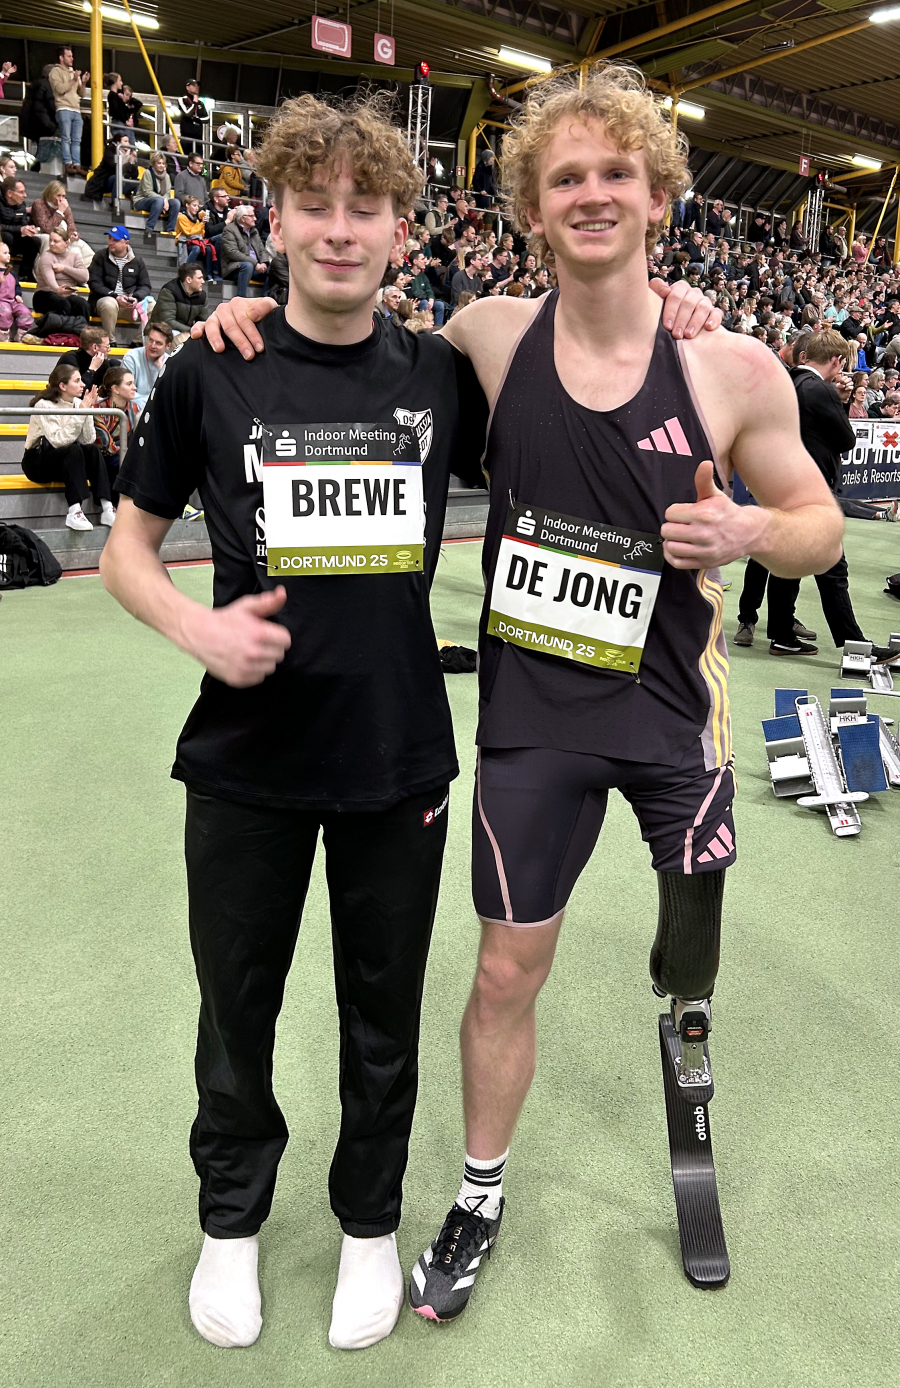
x: 826, y: 433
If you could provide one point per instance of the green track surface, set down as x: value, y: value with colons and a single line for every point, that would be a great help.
x: 98, y: 1014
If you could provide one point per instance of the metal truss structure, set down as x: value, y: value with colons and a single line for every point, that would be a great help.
x: 815, y: 109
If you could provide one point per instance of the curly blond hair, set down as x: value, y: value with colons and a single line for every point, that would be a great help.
x: 633, y: 117
x: 309, y: 134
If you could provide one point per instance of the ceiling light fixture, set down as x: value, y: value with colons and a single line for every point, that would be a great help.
x: 120, y: 16
x: 529, y: 60
x: 885, y: 16
x: 686, y: 108
x: 863, y: 162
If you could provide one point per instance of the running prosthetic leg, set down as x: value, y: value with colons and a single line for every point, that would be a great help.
x: 684, y: 963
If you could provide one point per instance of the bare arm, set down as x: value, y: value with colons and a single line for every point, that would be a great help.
x: 797, y: 527
x: 685, y: 312
x: 237, y: 644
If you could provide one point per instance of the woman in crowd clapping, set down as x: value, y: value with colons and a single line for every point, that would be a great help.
x: 61, y: 448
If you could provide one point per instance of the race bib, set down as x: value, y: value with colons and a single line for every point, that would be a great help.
x: 343, y: 498
x: 582, y: 590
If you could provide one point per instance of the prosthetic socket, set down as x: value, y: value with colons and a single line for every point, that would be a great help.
x: 684, y: 960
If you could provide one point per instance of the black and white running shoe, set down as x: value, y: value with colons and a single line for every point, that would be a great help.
x: 443, y: 1278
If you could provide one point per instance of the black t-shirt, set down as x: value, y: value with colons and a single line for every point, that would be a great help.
x: 356, y: 717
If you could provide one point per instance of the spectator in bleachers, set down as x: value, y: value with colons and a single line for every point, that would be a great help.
x: 389, y: 308
x: 693, y: 214
x: 714, y: 219
x: 231, y: 174
x: 69, y: 86
x: 6, y: 72
x: 118, y: 391
x: 118, y: 281
x: 16, y: 228
x: 484, y: 180
x: 90, y: 357
x: 194, y: 116
x: 147, y: 362
x: 133, y: 106
x: 121, y: 120
x: 156, y: 196
x: 541, y: 282
x: 37, y: 119
x: 500, y: 274
x: 59, y: 274
x: 64, y: 449
x: 52, y: 210
x: 183, y: 301
x: 421, y: 289
x: 858, y: 408
x: 219, y: 214
x: 191, y: 183
x: 190, y: 230
x: 8, y: 167
x: 241, y: 252
x: 103, y: 179
x: 439, y: 216
x: 168, y: 146
x: 15, y: 318
x: 470, y: 278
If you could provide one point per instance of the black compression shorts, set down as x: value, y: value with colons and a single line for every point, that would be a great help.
x: 538, y: 814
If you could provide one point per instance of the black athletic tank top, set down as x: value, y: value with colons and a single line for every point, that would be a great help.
x: 624, y: 467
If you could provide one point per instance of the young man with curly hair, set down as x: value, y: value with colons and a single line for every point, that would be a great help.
x: 602, y: 663
x: 327, y: 460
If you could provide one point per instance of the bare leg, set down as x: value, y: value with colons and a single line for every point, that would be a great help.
x: 498, y: 1031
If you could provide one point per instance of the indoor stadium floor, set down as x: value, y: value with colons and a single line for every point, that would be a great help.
x: 99, y: 1002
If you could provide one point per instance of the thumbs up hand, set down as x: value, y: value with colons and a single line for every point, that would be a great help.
x: 705, y: 533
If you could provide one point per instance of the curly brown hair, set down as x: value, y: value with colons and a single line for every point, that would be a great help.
x: 633, y: 117
x: 309, y: 134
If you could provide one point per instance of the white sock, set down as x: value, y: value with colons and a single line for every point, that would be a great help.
x: 369, y: 1294
x: 224, y: 1299
x: 482, y: 1185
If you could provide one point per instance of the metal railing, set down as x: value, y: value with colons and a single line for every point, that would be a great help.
x: 29, y: 410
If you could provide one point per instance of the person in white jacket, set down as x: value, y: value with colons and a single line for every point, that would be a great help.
x: 62, y: 448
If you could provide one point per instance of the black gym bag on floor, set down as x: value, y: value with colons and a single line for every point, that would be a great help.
x: 25, y: 561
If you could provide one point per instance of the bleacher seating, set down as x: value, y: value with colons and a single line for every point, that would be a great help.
x: 23, y: 371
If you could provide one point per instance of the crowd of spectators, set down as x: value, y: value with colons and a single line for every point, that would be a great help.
x: 452, y: 257
x: 773, y: 286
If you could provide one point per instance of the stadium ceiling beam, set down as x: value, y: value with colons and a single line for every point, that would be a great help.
x: 125, y: 44
x: 721, y: 101
x: 769, y: 94
x: 762, y: 58
x: 684, y: 57
x: 694, y: 32
x: 489, y: 31
x: 749, y: 157
x: 629, y: 45
x: 591, y: 36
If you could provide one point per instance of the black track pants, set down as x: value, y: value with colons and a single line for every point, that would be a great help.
x: 248, y: 874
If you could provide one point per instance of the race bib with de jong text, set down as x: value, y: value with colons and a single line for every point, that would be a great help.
x: 343, y: 498
x: 581, y: 590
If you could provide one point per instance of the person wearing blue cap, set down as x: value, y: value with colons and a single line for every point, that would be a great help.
x: 117, y: 281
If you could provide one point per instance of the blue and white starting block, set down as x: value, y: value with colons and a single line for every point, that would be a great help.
x: 857, y: 662
x: 833, y: 764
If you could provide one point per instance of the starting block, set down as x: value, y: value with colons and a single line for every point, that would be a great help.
x: 832, y: 763
x: 832, y: 792
x: 857, y: 660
